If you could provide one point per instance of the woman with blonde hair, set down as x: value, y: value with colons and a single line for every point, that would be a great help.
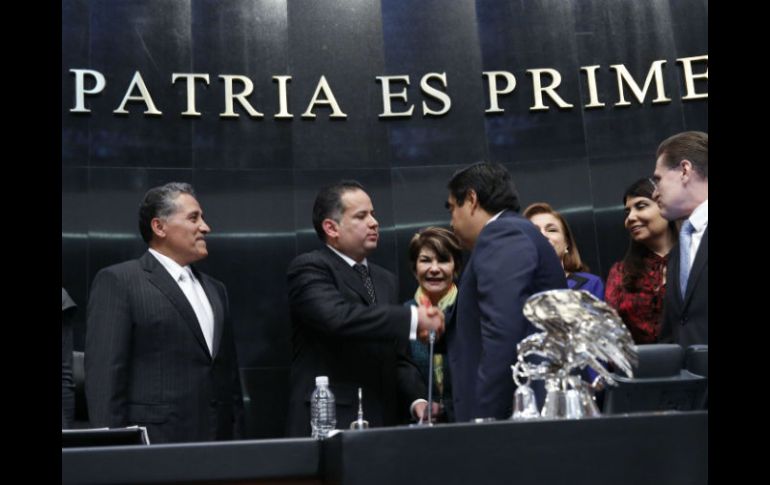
x: 555, y: 228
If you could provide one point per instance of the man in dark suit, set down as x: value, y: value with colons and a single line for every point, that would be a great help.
x: 159, y: 349
x: 510, y: 260
x: 682, y: 192
x: 68, y: 308
x: 346, y: 322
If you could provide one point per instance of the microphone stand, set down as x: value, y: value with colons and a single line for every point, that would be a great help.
x: 431, y: 340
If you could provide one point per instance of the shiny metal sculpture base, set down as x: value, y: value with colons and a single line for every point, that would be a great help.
x: 578, y: 331
x: 573, y: 403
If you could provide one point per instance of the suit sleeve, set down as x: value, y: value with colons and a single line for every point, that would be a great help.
x: 67, y: 383
x: 672, y: 285
x: 317, y: 302
x: 596, y: 287
x: 410, y: 383
x: 505, y: 265
x: 239, y: 426
x: 107, y: 350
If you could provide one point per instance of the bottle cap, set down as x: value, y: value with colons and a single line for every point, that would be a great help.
x: 322, y: 381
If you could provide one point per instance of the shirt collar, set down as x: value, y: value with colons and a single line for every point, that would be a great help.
x: 700, y: 216
x: 494, y: 217
x: 171, y: 266
x: 351, y: 262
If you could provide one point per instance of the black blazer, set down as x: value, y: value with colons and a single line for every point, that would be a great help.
x: 686, y: 320
x: 336, y: 332
x: 147, y: 362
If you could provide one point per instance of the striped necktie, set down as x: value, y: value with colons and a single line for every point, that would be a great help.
x: 364, y: 272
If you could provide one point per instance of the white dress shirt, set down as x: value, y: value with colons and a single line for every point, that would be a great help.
x: 700, y: 221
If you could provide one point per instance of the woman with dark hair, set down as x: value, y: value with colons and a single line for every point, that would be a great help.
x: 555, y: 228
x: 435, y: 257
x: 636, y: 286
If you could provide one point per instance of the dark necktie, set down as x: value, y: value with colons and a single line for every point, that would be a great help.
x: 685, y: 239
x: 364, y: 272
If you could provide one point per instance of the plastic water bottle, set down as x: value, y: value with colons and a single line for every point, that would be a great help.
x: 323, y: 418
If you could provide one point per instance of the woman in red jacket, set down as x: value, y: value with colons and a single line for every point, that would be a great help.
x: 636, y: 285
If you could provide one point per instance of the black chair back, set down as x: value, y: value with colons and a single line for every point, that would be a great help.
x: 79, y: 376
x: 658, y: 360
x: 697, y: 359
x: 659, y: 383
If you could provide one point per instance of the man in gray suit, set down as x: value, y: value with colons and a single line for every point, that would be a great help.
x: 159, y: 348
x: 682, y: 192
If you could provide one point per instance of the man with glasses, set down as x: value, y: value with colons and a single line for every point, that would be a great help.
x: 681, y: 191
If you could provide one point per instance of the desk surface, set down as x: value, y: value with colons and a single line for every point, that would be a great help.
x: 215, y: 462
x: 649, y: 448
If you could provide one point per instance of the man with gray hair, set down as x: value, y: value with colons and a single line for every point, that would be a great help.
x: 159, y: 347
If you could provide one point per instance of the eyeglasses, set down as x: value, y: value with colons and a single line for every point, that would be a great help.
x: 654, y: 185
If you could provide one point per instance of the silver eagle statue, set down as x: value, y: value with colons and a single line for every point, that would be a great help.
x: 577, y: 330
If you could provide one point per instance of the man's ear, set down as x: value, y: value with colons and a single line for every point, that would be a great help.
x: 331, y: 228
x: 472, y: 198
x: 158, y: 227
x: 687, y: 169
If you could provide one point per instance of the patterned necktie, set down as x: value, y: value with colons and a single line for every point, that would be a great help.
x: 685, y: 240
x: 364, y: 272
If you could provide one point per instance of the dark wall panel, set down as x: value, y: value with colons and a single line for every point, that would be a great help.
x: 417, y: 41
x: 343, y: 42
x: 517, y: 36
x: 75, y: 46
x: 152, y: 38
x: 75, y: 243
x: 646, y: 37
x: 689, y: 21
x: 250, y: 245
x: 246, y: 38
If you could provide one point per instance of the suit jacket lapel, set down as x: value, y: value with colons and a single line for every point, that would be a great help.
x: 217, y: 309
x: 701, y: 259
x: 159, y: 277
x: 348, y: 275
x: 672, y: 275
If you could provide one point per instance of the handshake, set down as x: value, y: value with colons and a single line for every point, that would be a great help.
x: 429, y: 318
